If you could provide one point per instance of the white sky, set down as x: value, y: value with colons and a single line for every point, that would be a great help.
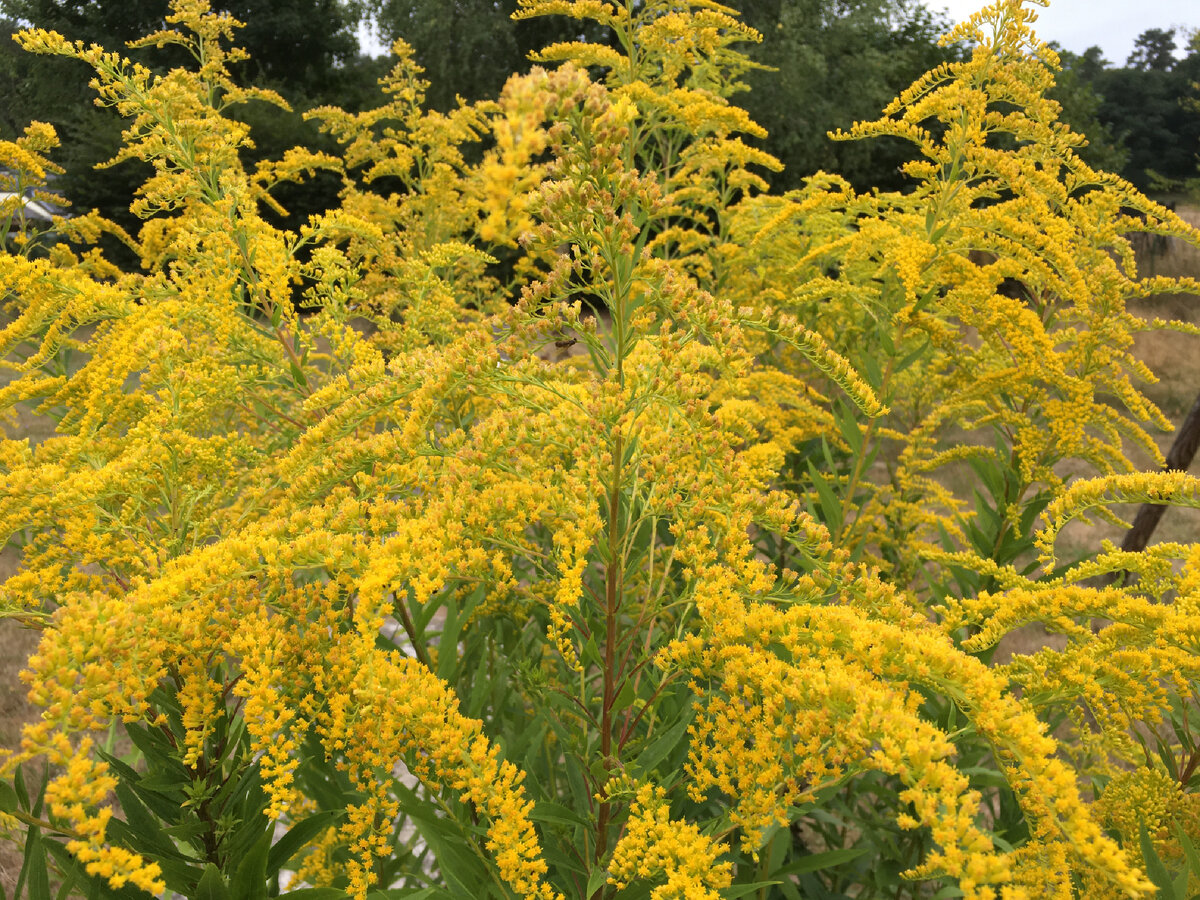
x: 1075, y: 24
x: 1110, y: 24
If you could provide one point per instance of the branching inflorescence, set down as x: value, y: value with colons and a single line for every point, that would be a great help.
x: 595, y: 529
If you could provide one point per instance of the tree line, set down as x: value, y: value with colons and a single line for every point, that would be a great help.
x: 825, y: 64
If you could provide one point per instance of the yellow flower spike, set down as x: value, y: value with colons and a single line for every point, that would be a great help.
x: 654, y: 846
x: 1096, y: 494
x: 73, y: 795
x: 836, y: 695
x: 244, y: 502
x: 441, y: 746
x: 990, y: 299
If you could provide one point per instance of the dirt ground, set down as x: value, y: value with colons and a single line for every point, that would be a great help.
x: 16, y: 644
x: 1174, y: 357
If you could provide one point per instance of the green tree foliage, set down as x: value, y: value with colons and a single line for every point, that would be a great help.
x: 304, y: 49
x: 1153, y: 51
x: 836, y: 62
x: 1080, y: 103
x: 1145, y: 105
x: 831, y: 62
x: 55, y: 90
x: 292, y: 45
x: 468, y: 48
x: 1192, y: 185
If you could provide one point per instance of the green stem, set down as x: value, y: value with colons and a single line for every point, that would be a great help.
x: 34, y: 822
x: 860, y: 461
x: 612, y: 595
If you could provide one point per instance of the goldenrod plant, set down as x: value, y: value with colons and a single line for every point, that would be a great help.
x: 24, y: 169
x: 565, y: 517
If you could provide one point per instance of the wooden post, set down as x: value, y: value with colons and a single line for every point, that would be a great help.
x: 1180, y: 457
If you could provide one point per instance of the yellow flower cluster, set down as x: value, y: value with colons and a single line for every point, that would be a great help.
x: 676, y: 505
x: 656, y: 846
x: 85, y: 784
x: 1144, y: 798
x: 986, y: 307
x: 1096, y: 494
x: 769, y: 738
x: 24, y: 166
x: 423, y: 725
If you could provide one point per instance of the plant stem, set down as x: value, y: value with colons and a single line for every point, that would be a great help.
x: 611, y: 602
x: 860, y: 461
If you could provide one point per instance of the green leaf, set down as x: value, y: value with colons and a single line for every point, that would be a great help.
x: 211, y: 886
x: 625, y: 697
x: 598, y: 769
x: 831, y: 510
x: 8, y: 798
x: 579, y: 792
x: 186, y: 831
x: 814, y: 862
x: 537, y: 744
x: 322, y: 893
x: 874, y: 375
x: 19, y: 787
x: 1189, y: 849
x: 590, y: 654
x: 556, y: 814
x: 666, y: 741
x: 142, y: 823
x: 985, y: 468
x: 463, y: 871
x: 951, y: 718
x: 298, y: 375
x: 827, y: 453
x: 562, y: 862
x: 249, y: 788
x: 448, y: 643
x: 246, y: 837
x: 172, y: 784
x: 914, y: 355
x: 1033, y: 509
x: 179, y: 873
x: 850, y: 431
x: 478, y: 696
x: 152, y: 743
x: 740, y: 890
x: 34, y: 871
x: 1167, y: 755
x: 885, y: 341
x: 1181, y: 883
x: 1155, y: 869
x: 120, y: 768
x: 250, y: 880
x: 596, y: 878
x: 298, y: 836
x: 322, y: 788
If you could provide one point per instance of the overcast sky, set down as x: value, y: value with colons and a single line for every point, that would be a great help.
x: 1075, y: 24
x: 1110, y: 24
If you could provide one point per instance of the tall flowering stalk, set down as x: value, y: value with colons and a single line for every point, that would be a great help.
x: 528, y: 598
x: 987, y: 308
